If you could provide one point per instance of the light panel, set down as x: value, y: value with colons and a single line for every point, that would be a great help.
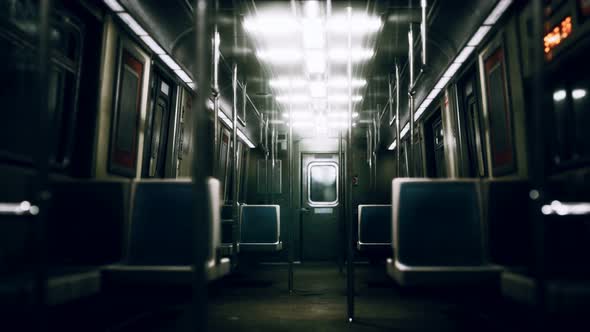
x: 357, y: 54
x: 114, y: 5
x: 392, y: 145
x: 151, y: 43
x: 405, y: 130
x: 579, y: 93
x: 452, y: 70
x: 315, y: 61
x: 271, y: 25
x: 132, y: 24
x: 244, y: 138
x: 464, y: 55
x: 497, y: 12
x: 442, y: 82
x: 169, y: 62
x: 183, y: 76
x: 281, y: 56
x: 479, y: 35
x: 358, y: 24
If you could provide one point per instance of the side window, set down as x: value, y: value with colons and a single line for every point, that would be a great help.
x: 18, y: 69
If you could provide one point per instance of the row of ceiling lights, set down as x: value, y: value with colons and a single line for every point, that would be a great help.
x: 167, y: 59
x: 457, y: 63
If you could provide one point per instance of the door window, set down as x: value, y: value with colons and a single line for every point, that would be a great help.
x: 322, y: 183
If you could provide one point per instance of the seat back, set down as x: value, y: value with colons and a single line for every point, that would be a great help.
x: 437, y: 222
x: 260, y: 224
x: 506, y: 204
x: 86, y: 221
x: 161, y: 229
x: 374, y: 224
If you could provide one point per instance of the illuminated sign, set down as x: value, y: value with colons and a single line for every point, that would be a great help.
x: 557, y: 35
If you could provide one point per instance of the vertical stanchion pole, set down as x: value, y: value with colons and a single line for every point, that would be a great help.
x: 350, y: 252
x: 537, y: 163
x: 398, y: 129
x: 234, y: 163
x: 216, y: 41
x: 201, y: 171
x: 292, y: 213
x: 411, y: 101
x: 41, y: 191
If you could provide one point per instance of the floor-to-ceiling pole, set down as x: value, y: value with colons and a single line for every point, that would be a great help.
x: 411, y: 101
x: 350, y: 249
x: 234, y: 163
x: 201, y: 171
x: 292, y: 205
x: 216, y: 145
x: 398, y: 130
x: 42, y: 195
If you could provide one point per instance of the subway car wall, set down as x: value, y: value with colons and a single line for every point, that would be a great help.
x: 285, y: 165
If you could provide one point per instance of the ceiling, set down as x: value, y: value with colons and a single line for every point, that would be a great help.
x: 449, y: 25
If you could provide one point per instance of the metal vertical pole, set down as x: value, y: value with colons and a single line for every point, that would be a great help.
x: 411, y: 101
x: 216, y: 145
x: 537, y: 163
x: 350, y: 252
x: 398, y: 131
x: 41, y: 191
x: 201, y: 171
x: 235, y: 206
x: 292, y: 213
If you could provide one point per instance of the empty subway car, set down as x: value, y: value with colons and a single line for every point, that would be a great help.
x: 294, y: 165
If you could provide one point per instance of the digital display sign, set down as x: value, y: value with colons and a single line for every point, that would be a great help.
x: 557, y: 35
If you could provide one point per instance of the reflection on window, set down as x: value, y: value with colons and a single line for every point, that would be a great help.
x: 322, y: 183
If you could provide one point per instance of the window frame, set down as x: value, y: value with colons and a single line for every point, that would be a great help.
x: 322, y: 204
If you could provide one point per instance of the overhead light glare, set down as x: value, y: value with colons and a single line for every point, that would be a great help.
x: 442, y: 82
x: 578, y: 93
x: 452, y: 70
x: 132, y: 24
x: 183, y: 76
x: 281, y: 56
x: 464, y: 55
x: 274, y: 25
x: 114, y: 5
x: 245, y: 139
x: 151, y: 43
x: 559, y: 95
x: 358, y: 24
x: 479, y: 35
x: 356, y: 54
x: 497, y: 12
x: 169, y: 62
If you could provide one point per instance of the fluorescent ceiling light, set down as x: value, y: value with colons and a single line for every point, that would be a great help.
x: 298, y: 115
x: 419, y: 113
x: 245, y: 139
x: 192, y: 85
x: 357, y: 54
x: 281, y: 56
x: 392, y: 145
x: 337, y: 124
x: 132, y: 24
x: 311, y: 8
x: 452, y: 70
x: 303, y: 124
x: 114, y: 5
x: 313, y: 33
x: 151, y: 43
x: 271, y: 25
x: 405, y: 130
x: 497, y: 12
x: 300, y: 98
x: 318, y: 89
x: 464, y: 55
x: 578, y: 93
x: 359, y: 23
x: 225, y: 119
x: 183, y: 76
x: 169, y: 62
x: 479, y: 35
x: 344, y: 98
x: 442, y: 82
x: 315, y: 61
x: 559, y: 95
x: 433, y: 93
x: 342, y: 82
x: 288, y: 82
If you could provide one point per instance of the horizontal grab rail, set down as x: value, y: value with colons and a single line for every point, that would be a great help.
x: 23, y: 208
x: 567, y: 209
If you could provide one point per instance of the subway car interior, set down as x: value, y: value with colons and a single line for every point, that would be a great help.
x: 302, y: 165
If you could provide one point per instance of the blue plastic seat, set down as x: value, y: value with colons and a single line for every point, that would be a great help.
x: 160, y: 247
x: 438, y: 233
x: 260, y: 228
x: 374, y: 227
